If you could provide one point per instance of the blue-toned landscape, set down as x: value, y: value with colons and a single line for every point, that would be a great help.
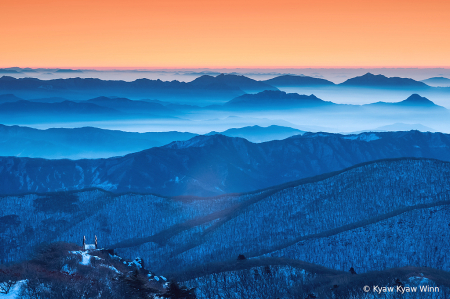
x: 239, y: 149
x: 224, y: 186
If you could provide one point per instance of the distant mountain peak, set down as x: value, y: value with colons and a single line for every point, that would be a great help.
x: 7, y: 78
x: 416, y: 99
x: 298, y: 80
x: 276, y: 98
x: 437, y: 81
x: 413, y: 101
x: 371, y: 80
x: 439, y: 78
x: 232, y: 80
x: 9, y: 98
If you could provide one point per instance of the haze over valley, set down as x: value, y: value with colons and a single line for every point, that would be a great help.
x: 223, y: 186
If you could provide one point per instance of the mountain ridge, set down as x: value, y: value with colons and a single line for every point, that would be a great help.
x: 227, y: 165
x: 295, y: 80
x: 371, y: 80
x: 242, y: 82
x: 277, y: 100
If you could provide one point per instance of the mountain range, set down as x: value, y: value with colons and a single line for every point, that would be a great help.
x: 89, y: 142
x: 59, y: 110
x: 378, y: 81
x: 6, y: 98
x: 297, y: 81
x: 36, y: 112
x: 243, y: 83
x: 437, y: 81
x: 275, y: 100
x: 257, y: 134
x: 399, y: 127
x: 76, y: 89
x: 67, y: 107
x: 218, y: 89
x: 132, y: 106
x: 79, y: 143
x: 413, y: 101
x: 211, y: 165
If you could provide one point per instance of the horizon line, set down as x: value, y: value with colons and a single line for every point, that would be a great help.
x: 219, y: 67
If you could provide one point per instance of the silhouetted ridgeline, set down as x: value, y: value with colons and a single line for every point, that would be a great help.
x: 211, y: 165
x: 298, y: 81
x: 80, y: 88
x: 79, y: 143
x: 371, y: 80
x: 276, y: 100
x: 244, y: 83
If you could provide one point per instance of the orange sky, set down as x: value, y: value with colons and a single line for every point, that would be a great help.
x: 232, y: 33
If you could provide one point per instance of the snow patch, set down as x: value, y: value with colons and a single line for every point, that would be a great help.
x: 419, y: 280
x: 111, y: 268
x: 363, y: 137
x: 14, y: 292
x: 106, y: 186
x: 85, y: 257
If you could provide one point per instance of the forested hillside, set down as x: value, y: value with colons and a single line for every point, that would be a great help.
x: 399, y: 205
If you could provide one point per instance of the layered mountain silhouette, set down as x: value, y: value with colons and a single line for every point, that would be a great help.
x: 299, y: 81
x: 68, y: 71
x: 208, y: 165
x: 415, y: 108
x: 79, y: 143
x: 82, y: 88
x: 243, y: 83
x: 260, y: 134
x: 24, y: 107
x: 89, y: 142
x: 6, y: 98
x: 437, y: 81
x: 276, y: 100
x: 404, y: 127
x: 413, y: 101
x: 132, y: 106
x: 95, y: 109
x: 381, y: 81
x: 9, y: 71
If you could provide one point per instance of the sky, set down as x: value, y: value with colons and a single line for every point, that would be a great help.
x: 232, y: 33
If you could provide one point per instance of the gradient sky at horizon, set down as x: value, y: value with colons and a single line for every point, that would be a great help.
x: 244, y: 33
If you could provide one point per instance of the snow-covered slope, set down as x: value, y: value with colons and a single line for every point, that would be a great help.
x: 378, y: 215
